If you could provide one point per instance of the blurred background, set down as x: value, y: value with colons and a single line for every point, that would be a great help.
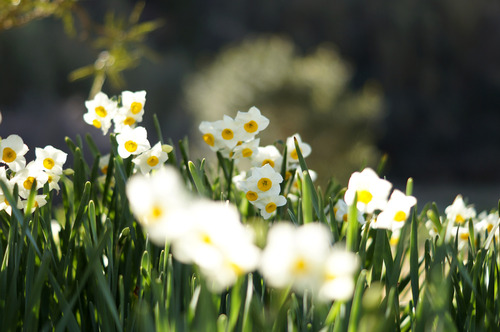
x: 417, y: 81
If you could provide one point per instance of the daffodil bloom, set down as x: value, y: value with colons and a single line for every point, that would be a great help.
x: 151, y: 159
x: 252, y: 122
x: 262, y: 182
x: 4, y: 204
x: 338, y: 277
x: 396, y: 212
x: 372, y: 191
x: 268, y: 204
x: 27, y: 177
x: 40, y: 200
x: 296, y: 256
x: 50, y: 159
x: 131, y: 111
x: 104, y: 163
x: 217, y: 242
x: 12, y: 151
x: 268, y: 155
x: 100, y: 112
x: 292, y: 155
x: 211, y: 136
x: 489, y: 222
x: 341, y: 212
x: 458, y: 213
x: 132, y: 141
x: 228, y: 132
x: 159, y: 201
x: 245, y: 150
x: 462, y: 235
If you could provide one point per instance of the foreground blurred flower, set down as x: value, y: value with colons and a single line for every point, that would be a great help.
x: 12, y: 150
x: 296, y: 256
x: 155, y: 199
x: 372, y: 191
x: 217, y: 242
x: 338, y: 282
x: 396, y: 212
x: 100, y: 112
x: 132, y: 141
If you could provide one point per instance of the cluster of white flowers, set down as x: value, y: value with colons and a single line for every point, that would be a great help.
x: 47, y: 168
x: 373, y: 201
x: 125, y: 112
x: 211, y: 235
x: 236, y: 139
x: 486, y: 225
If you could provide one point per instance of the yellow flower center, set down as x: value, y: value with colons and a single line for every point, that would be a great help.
x: 28, y: 183
x: 48, y: 163
x: 247, y: 152
x: 268, y: 161
x: 270, y: 207
x: 209, y: 139
x: 288, y: 175
x: 205, y: 238
x: 101, y: 111
x: 489, y: 228
x: 251, y: 126
x: 394, y: 241
x: 294, y: 154
x: 152, y: 161
x: 264, y: 184
x: 300, y: 266
x: 104, y: 169
x: 130, y: 146
x: 251, y: 196
x: 236, y: 269
x: 459, y: 219
x: 129, y: 121
x: 364, y: 196
x: 9, y: 155
x: 135, y: 107
x: 400, y: 216
x: 156, y: 212
x: 344, y: 217
x: 227, y: 134
x: 464, y: 236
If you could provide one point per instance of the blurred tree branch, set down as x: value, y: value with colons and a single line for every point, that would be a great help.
x: 119, y: 40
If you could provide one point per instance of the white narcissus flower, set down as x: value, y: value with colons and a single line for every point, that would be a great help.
x: 340, y: 268
x: 100, y: 111
x: 26, y: 177
x: 50, y: 159
x: 251, y: 122
x: 217, y: 242
x: 268, y: 155
x: 155, y: 200
x: 12, y: 151
x: 268, y: 205
x: 132, y: 141
x: 396, y: 212
x: 458, y: 213
x: 104, y: 163
x: 40, y: 200
x: 228, y: 132
x: 341, y: 212
x: 372, y: 191
x: 292, y: 155
x: 245, y: 150
x: 131, y: 111
x: 210, y: 136
x: 296, y: 256
x: 263, y: 181
x: 151, y: 159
